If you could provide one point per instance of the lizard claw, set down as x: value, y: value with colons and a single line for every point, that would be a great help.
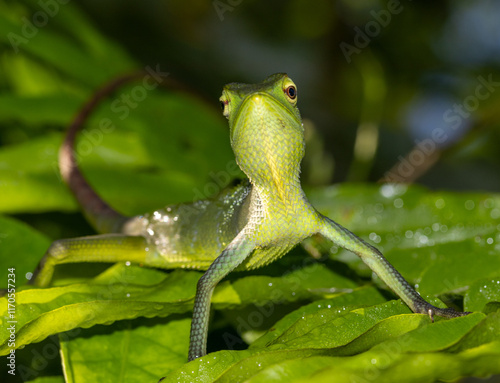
x: 445, y: 313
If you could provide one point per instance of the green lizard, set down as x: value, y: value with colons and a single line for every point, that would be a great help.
x: 245, y: 227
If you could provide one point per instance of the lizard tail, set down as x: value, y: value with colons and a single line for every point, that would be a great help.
x: 100, y: 215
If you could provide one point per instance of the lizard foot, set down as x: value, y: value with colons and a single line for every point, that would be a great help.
x: 431, y: 310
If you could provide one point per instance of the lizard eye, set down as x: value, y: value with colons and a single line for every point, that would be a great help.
x: 224, y: 104
x: 291, y: 92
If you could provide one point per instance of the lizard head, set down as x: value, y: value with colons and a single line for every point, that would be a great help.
x: 266, y: 131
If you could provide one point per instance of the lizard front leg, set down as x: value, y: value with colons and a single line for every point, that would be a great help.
x: 374, y: 259
x: 97, y: 248
x: 230, y: 258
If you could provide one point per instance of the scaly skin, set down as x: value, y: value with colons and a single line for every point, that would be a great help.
x: 244, y: 227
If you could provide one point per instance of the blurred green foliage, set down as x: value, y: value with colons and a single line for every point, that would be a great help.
x: 373, y: 77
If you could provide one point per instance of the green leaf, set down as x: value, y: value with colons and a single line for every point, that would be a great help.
x: 41, y: 109
x: 41, y: 313
x: 319, y: 311
x: 21, y: 248
x: 428, y: 236
x: 481, y: 293
x: 131, y: 351
x: 127, y: 292
x: 409, y: 337
x: 28, y: 167
x: 135, y: 146
x: 354, y: 322
x: 488, y: 330
x: 51, y: 379
x: 60, y: 52
x: 386, y: 365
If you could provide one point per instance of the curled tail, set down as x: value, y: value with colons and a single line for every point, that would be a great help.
x: 103, y: 217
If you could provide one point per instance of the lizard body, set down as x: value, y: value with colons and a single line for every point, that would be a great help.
x: 245, y: 227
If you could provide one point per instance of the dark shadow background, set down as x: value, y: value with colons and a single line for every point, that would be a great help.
x: 382, y: 75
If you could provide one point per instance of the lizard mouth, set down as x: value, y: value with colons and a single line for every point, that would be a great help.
x: 262, y: 108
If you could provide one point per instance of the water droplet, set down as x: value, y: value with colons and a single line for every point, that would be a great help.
x: 469, y: 204
x: 270, y: 284
x: 440, y: 203
x: 388, y: 190
x: 489, y: 241
x: 409, y: 234
x: 378, y: 208
x: 127, y: 263
x: 495, y: 213
x: 398, y: 203
x: 391, y: 190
